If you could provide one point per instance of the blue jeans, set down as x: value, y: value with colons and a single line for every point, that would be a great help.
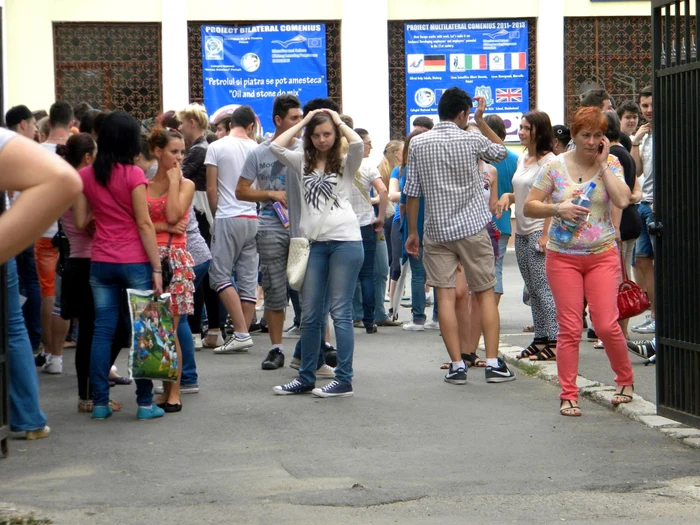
x: 25, y: 413
x: 333, y: 268
x: 184, y: 335
x: 502, y: 248
x: 109, y: 281
x: 296, y: 305
x: 645, y: 242
x: 29, y: 288
x: 417, y: 288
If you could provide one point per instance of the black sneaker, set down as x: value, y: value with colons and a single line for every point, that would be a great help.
x: 274, y: 360
x: 330, y: 355
x: 500, y: 374
x: 40, y: 359
x: 645, y: 349
x: 456, y: 377
x: 295, y: 387
x: 591, y: 335
x: 371, y: 329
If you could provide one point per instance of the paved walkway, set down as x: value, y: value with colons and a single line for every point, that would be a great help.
x: 408, y: 448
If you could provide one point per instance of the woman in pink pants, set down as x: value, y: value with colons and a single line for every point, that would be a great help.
x: 588, y: 264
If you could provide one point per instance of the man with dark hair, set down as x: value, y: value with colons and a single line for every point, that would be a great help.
x: 443, y: 166
x: 628, y: 113
x: 598, y: 98
x: 643, y: 155
x: 506, y: 169
x: 273, y: 234
x: 81, y: 110
x: 40, y: 114
x: 53, y: 327
x: 87, y: 122
x: 233, y: 244
x: 423, y: 122
x: 320, y: 103
x: 20, y: 120
x: 223, y: 125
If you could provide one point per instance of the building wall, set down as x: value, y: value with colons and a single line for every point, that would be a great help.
x: 29, y: 76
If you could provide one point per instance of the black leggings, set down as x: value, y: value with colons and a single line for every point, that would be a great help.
x: 204, y: 294
x: 78, y: 304
x: 395, y: 251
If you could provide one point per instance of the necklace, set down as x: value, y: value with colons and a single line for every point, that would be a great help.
x: 581, y: 175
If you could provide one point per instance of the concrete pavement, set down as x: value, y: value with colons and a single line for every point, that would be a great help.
x: 408, y: 448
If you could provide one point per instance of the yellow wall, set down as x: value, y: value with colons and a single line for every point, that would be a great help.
x: 30, y: 71
x: 279, y: 10
x: 588, y: 8
x: 460, y: 9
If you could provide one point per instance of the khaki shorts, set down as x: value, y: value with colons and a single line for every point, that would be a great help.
x: 475, y: 253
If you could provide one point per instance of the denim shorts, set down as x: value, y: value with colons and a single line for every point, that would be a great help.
x: 645, y: 243
x: 502, y: 248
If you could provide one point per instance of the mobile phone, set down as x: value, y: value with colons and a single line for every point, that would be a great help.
x: 600, y: 148
x: 281, y: 213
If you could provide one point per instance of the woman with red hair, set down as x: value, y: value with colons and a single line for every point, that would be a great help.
x: 588, y: 264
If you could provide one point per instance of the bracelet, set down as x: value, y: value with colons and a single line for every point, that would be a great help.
x: 341, y: 123
x: 635, y: 145
x: 556, y: 210
x: 157, y: 271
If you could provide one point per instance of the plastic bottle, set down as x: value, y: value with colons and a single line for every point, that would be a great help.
x: 565, y: 229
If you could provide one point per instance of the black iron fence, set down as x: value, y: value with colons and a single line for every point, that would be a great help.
x: 676, y: 121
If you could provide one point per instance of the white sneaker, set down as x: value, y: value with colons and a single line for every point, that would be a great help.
x: 432, y: 325
x: 53, y: 365
x: 235, y: 345
x: 647, y: 320
x: 649, y: 328
x: 413, y: 327
x: 197, y: 338
x: 292, y: 332
x: 219, y: 341
x: 325, y: 371
x: 158, y: 389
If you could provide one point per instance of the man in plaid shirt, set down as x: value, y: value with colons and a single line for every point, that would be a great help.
x: 443, y: 166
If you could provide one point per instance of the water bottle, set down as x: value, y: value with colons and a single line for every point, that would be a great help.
x: 565, y: 229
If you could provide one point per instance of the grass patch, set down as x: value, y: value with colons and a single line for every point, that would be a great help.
x: 23, y: 520
x: 530, y: 370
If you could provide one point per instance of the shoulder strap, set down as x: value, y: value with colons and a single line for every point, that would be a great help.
x: 362, y: 190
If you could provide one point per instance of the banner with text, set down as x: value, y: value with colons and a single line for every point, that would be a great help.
x: 254, y: 64
x: 487, y: 59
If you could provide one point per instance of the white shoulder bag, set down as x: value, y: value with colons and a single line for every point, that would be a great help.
x: 300, y: 248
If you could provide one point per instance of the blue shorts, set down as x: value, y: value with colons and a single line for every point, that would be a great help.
x: 645, y: 242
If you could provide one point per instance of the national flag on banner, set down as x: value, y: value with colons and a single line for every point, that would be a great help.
x: 435, y: 63
x: 509, y: 94
x: 503, y: 61
x: 468, y: 62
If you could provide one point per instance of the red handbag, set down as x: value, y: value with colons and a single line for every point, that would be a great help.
x: 631, y: 299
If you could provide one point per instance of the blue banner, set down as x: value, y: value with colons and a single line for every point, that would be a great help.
x: 254, y: 64
x: 487, y: 59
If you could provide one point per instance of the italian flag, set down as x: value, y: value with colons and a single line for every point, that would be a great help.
x: 474, y: 62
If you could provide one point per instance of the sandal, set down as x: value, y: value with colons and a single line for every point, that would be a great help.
x: 532, y: 349
x: 546, y: 354
x: 86, y: 405
x: 569, y: 411
x: 474, y: 360
x: 622, y: 398
x: 529, y: 329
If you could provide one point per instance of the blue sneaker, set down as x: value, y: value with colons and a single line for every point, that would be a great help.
x: 295, y: 387
x: 334, y: 389
x: 456, y: 377
x: 101, y: 412
x: 149, y: 413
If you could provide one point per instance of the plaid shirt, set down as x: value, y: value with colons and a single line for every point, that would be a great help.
x: 443, y: 166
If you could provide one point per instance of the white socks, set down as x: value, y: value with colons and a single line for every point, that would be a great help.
x: 492, y: 362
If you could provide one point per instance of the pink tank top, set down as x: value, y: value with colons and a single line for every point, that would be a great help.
x: 156, y: 209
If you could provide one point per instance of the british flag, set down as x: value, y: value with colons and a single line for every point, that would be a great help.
x: 509, y: 94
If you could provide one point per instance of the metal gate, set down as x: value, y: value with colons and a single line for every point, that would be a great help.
x: 676, y: 100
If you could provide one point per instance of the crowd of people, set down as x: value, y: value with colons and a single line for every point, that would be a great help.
x: 221, y: 206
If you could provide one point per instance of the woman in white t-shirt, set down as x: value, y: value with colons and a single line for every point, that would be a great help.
x: 531, y: 234
x: 337, y: 254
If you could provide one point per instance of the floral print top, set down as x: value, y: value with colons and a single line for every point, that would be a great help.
x: 597, y: 235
